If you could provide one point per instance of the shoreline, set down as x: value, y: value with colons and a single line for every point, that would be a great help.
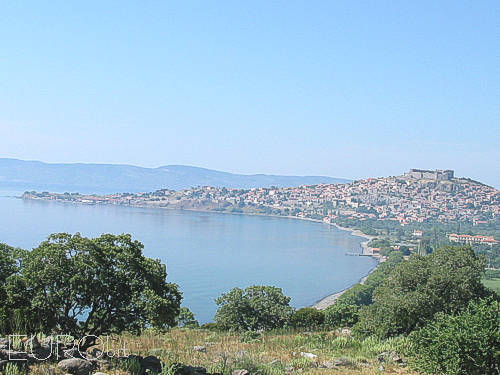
x: 329, y: 300
x: 320, y: 304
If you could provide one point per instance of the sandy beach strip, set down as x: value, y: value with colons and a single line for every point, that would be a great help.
x: 326, y: 302
x: 329, y: 300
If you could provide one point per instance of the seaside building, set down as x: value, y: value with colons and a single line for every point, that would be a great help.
x: 468, y: 239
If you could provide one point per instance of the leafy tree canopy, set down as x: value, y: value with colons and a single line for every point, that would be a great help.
x: 81, y: 286
x: 253, y: 308
x: 414, y: 291
x: 307, y: 317
x: 341, y: 314
x: 463, y: 344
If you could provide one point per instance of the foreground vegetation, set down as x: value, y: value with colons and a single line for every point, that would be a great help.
x: 270, y: 353
x: 432, y: 312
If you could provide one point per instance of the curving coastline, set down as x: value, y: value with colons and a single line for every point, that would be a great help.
x: 329, y: 300
x: 322, y: 303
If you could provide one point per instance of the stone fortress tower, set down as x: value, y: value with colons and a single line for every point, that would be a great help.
x: 423, y: 174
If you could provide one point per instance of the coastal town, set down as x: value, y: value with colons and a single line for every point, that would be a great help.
x: 414, y: 201
x: 417, y: 196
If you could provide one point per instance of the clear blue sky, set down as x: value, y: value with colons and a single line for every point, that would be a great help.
x: 341, y: 88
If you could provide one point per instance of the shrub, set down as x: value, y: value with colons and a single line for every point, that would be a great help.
x: 467, y: 343
x: 307, y: 317
x: 341, y: 315
x: 415, y: 290
x: 212, y: 327
x: 253, y: 309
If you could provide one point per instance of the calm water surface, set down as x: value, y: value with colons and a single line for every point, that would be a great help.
x: 206, y: 253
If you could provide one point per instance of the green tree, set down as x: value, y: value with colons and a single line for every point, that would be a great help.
x: 80, y: 286
x: 307, y: 317
x: 464, y: 344
x: 415, y: 290
x: 341, y: 315
x: 254, y: 308
x: 186, y: 318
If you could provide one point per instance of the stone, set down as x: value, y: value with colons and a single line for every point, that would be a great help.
x: 327, y: 364
x: 40, y: 354
x: 76, y: 366
x: 346, y: 332
x: 192, y: 370
x: 341, y: 362
x: 72, y: 353
x: 96, y: 353
x: 199, y: 348
x: 12, y: 354
x: 100, y: 373
x: 241, y: 372
x: 391, y: 356
x: 308, y: 355
x: 151, y: 363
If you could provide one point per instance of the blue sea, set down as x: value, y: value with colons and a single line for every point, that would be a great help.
x: 206, y: 253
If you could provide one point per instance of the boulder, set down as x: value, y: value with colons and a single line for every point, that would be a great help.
x: 40, y: 354
x: 76, y: 366
x: 96, y: 353
x: 151, y: 363
x: 191, y: 370
x: 391, y: 356
x: 72, y: 353
x: 12, y: 354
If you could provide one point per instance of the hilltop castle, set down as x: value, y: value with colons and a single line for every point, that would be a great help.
x: 437, y: 175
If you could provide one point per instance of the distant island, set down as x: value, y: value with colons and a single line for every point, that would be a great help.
x: 114, y: 178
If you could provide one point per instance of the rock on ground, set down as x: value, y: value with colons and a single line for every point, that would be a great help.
x: 76, y: 366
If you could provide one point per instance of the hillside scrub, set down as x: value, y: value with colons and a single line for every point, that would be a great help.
x: 467, y: 343
x: 414, y: 291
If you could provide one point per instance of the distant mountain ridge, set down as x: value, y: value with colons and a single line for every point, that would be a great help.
x: 108, y: 178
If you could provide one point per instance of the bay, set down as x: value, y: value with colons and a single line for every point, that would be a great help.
x: 206, y: 253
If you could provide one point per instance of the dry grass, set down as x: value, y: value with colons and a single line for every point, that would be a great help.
x: 273, y: 353
x: 270, y: 354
